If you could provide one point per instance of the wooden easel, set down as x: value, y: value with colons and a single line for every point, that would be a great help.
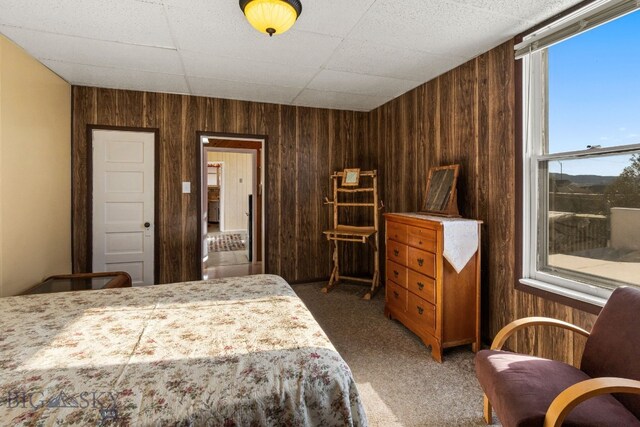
x: 354, y: 233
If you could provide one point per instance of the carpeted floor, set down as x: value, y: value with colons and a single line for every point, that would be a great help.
x: 400, y: 384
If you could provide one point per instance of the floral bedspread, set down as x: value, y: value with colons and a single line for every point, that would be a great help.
x: 230, y: 352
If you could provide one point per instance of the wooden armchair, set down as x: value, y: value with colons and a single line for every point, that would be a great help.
x: 80, y: 282
x: 531, y: 391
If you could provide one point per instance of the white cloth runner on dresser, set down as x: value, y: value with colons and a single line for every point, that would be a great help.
x: 460, y: 238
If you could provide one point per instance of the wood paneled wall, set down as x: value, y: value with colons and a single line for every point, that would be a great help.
x: 303, y: 146
x: 468, y: 116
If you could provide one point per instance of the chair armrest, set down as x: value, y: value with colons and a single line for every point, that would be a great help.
x: 86, y: 275
x: 578, y: 393
x: 120, y: 278
x: 525, y: 322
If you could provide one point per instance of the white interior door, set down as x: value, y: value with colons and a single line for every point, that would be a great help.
x: 123, y: 203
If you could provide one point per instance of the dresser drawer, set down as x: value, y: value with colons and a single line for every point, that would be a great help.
x: 397, y: 273
x: 422, y: 261
x: 422, y: 238
x: 421, y: 313
x: 397, y: 232
x: 421, y: 285
x: 396, y: 296
x: 397, y: 252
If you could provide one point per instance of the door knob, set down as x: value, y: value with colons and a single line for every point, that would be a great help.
x: 147, y: 224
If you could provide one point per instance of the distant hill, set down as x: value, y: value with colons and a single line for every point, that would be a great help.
x: 584, y: 180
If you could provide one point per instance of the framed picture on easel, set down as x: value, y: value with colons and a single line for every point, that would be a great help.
x: 351, y: 178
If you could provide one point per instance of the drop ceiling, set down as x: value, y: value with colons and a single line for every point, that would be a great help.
x: 344, y: 54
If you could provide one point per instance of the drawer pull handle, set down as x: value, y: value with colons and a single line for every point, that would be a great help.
x: 420, y: 261
x: 396, y: 294
x: 395, y: 273
x: 420, y: 242
x: 420, y: 311
x: 396, y: 252
x: 420, y: 285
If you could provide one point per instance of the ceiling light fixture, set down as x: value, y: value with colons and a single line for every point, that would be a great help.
x: 271, y: 16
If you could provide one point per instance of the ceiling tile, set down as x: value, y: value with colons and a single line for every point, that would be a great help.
x: 95, y: 52
x: 244, y: 70
x: 244, y: 91
x: 532, y: 11
x: 337, y: 100
x: 436, y: 27
x: 354, y: 54
x: 361, y: 84
x: 127, y: 21
x: 365, y: 58
x: 87, y: 75
x: 332, y: 17
x: 233, y: 37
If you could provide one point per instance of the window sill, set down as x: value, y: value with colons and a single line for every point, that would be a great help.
x: 572, y: 298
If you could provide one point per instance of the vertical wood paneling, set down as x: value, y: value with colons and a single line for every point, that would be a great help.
x: 302, y: 145
x: 273, y: 187
x: 467, y: 116
x: 501, y: 144
x: 192, y: 252
x: 555, y: 341
x: 421, y: 154
x: 447, y: 116
x: 288, y: 207
x: 526, y: 340
x: 483, y: 188
x: 304, y: 202
x: 83, y: 113
x: 153, y: 107
x: 586, y: 321
x: 404, y: 144
x: 432, y: 119
x: 108, y: 110
x: 322, y: 188
x: 170, y: 194
x: 465, y: 141
x: 130, y: 103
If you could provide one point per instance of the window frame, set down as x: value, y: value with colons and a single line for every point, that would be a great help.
x: 535, y: 142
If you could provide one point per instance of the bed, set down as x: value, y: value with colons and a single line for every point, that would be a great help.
x: 229, y: 352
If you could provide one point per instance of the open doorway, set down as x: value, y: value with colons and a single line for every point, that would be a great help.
x: 232, y: 211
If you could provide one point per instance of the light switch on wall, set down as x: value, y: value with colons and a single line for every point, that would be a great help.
x: 186, y: 187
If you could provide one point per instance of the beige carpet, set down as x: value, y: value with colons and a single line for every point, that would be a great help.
x: 400, y: 384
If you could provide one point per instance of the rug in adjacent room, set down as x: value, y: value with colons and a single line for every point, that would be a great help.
x: 226, y: 242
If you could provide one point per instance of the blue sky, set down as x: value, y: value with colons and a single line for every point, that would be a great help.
x: 594, y: 94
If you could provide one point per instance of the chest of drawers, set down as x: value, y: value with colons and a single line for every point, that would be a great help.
x: 423, y: 290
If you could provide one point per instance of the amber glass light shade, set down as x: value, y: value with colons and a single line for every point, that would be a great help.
x: 271, y: 16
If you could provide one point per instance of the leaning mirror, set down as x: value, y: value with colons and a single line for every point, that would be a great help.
x: 441, y: 195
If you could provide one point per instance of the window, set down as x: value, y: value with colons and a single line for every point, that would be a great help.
x: 581, y: 163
